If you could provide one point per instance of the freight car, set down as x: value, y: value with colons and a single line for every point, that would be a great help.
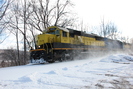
x: 59, y: 44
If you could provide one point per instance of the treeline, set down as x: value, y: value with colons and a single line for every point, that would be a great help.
x: 9, y: 57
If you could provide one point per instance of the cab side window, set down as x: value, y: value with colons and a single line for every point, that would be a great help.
x: 64, y: 34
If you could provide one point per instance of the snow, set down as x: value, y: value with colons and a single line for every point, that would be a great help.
x: 90, y: 73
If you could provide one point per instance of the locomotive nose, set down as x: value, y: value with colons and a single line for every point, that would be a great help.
x: 38, y: 56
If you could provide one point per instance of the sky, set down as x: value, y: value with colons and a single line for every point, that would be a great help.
x: 117, y: 11
x: 1, y: 1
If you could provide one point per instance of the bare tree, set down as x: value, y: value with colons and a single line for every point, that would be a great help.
x: 102, y: 29
x: 108, y: 30
x: 14, y: 27
x: 112, y: 31
x: 3, y: 9
x: 18, y: 24
x: 24, y: 34
x: 125, y: 39
x: 46, y: 14
x: 61, y: 12
x: 25, y: 16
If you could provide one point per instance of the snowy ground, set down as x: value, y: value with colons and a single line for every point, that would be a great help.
x: 113, y: 72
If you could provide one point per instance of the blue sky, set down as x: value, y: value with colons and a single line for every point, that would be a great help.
x: 1, y: 1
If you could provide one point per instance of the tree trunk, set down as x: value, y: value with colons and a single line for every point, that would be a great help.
x: 18, y: 59
x: 24, y: 31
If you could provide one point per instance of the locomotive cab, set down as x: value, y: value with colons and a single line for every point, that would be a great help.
x: 54, y: 34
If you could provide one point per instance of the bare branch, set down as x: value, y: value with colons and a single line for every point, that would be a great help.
x: 3, y: 8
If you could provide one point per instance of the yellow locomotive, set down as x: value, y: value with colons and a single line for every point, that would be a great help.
x: 60, y: 43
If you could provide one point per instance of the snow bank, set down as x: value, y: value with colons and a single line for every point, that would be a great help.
x: 118, y: 59
x: 78, y: 74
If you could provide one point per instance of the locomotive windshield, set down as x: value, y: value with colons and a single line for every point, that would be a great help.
x: 53, y: 31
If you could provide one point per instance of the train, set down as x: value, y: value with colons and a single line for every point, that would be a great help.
x: 59, y: 44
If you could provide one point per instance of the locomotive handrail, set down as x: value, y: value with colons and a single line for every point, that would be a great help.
x: 46, y: 48
x: 51, y: 47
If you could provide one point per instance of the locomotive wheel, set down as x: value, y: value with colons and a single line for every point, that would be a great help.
x: 62, y: 58
x: 72, y: 55
x: 51, y: 61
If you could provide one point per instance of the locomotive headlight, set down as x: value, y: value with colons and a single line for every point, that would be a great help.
x: 31, y: 48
